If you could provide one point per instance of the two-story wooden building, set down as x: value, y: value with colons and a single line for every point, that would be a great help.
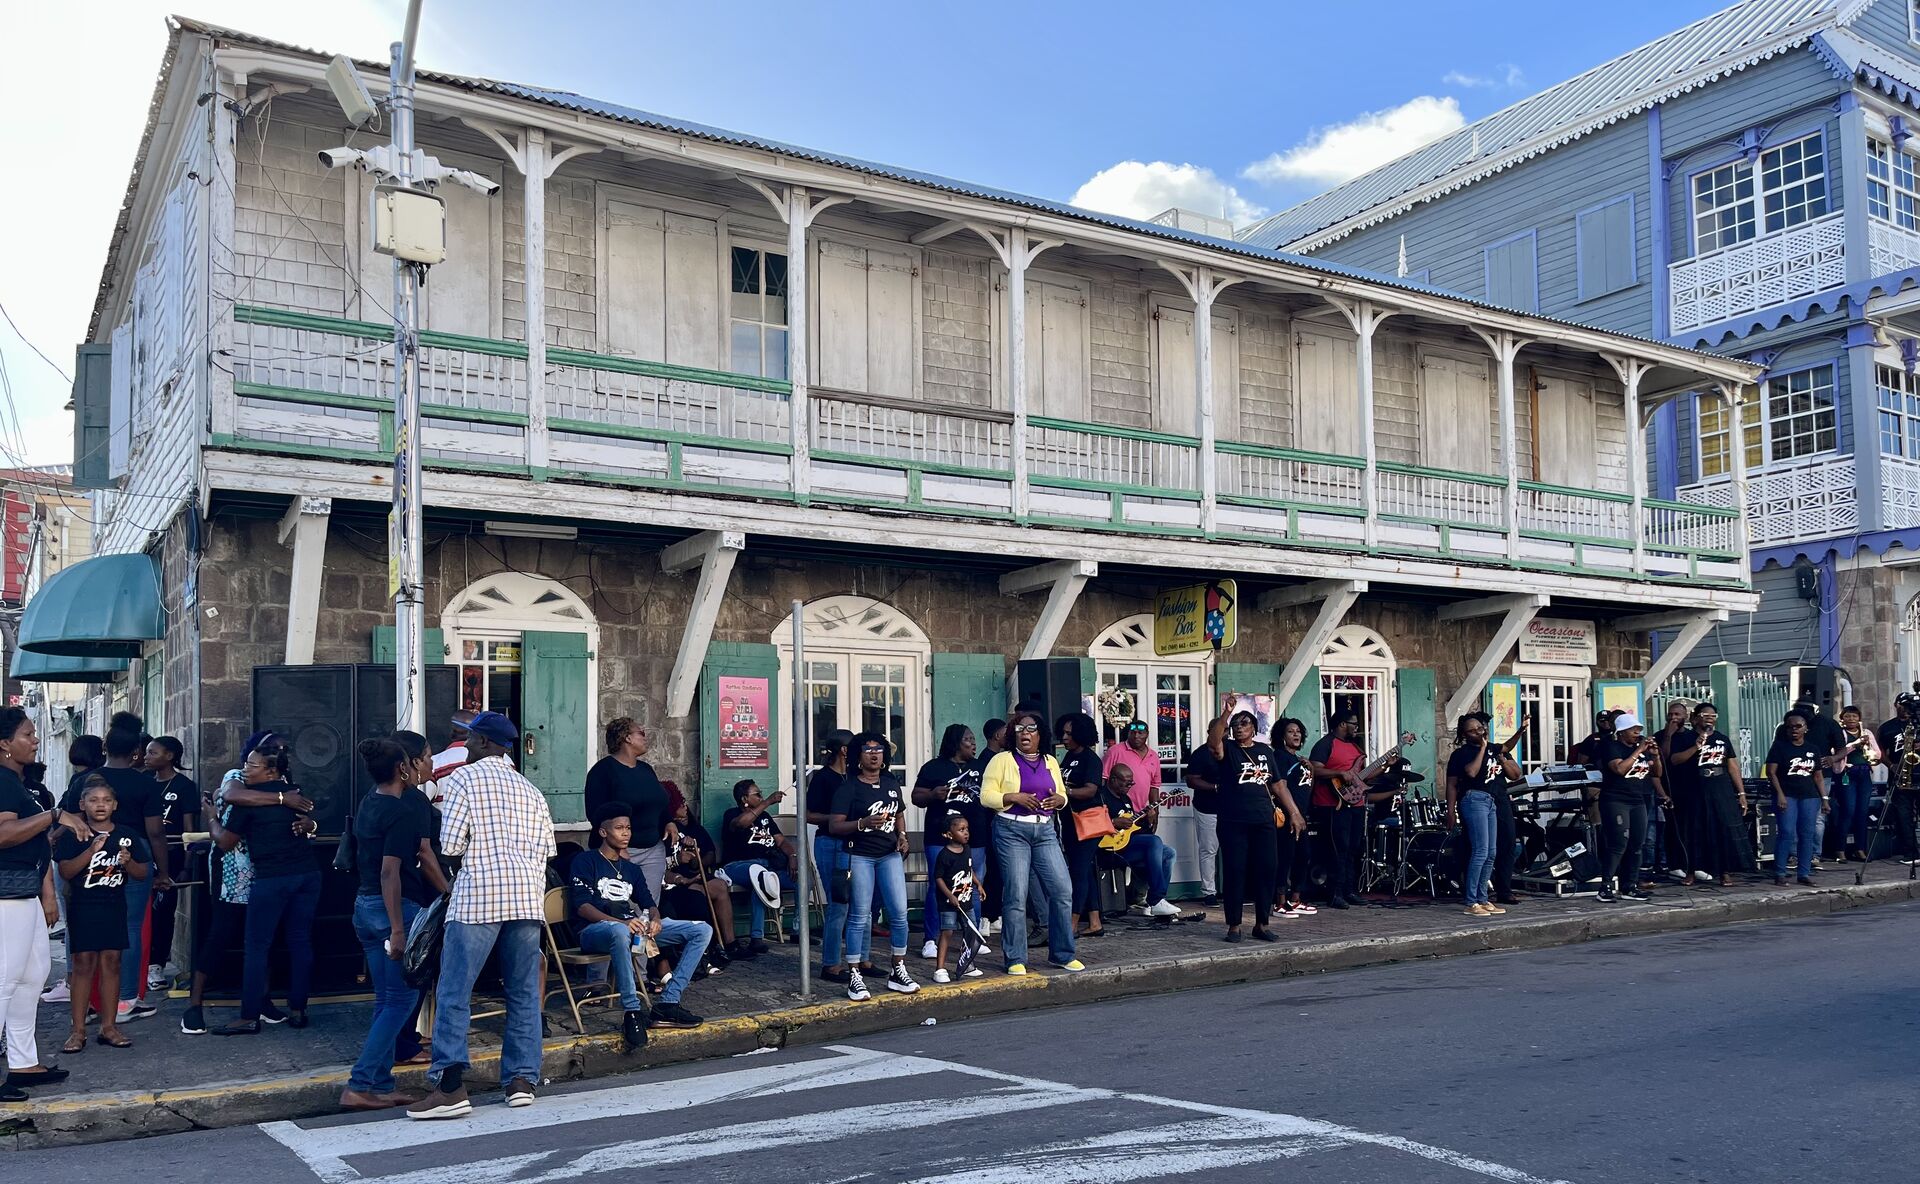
x: 1746, y: 184
x: 679, y: 377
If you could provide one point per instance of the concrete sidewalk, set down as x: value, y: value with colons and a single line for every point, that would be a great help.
x: 172, y: 1082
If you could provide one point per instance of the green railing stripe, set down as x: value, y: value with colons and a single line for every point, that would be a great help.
x: 907, y: 464
x: 587, y: 427
x: 1407, y: 470
x: 1293, y: 454
x: 1095, y: 429
x: 1690, y: 508
x: 619, y: 365
x: 374, y: 331
x: 1108, y: 487
x: 312, y: 398
x: 1597, y: 495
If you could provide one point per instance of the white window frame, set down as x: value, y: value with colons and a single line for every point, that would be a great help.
x: 1759, y: 416
x: 1893, y: 184
x: 847, y: 628
x: 1913, y: 21
x: 1898, y: 410
x: 763, y: 247
x: 1750, y: 194
x: 1357, y: 651
x: 1490, y: 462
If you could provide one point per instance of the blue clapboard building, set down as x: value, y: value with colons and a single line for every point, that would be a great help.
x: 1748, y: 184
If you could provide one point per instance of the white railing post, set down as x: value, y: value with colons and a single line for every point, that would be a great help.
x: 533, y: 178
x: 1737, y: 453
x: 1203, y: 296
x: 799, y: 416
x: 1365, y: 317
x: 1631, y: 371
x: 1506, y: 347
x: 1016, y: 262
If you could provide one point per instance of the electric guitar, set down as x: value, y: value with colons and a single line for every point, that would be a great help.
x: 1134, y: 824
x: 1356, y: 795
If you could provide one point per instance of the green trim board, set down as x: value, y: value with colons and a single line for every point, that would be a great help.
x: 554, y: 728
x: 1113, y: 433
x: 433, y: 641
x: 967, y: 689
x: 714, y: 793
x: 1415, y: 702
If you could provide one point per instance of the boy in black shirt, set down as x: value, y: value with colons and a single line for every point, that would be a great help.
x: 750, y: 839
x: 953, y: 876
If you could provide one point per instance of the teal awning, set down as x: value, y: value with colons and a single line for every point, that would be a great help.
x: 28, y: 666
x: 104, y: 607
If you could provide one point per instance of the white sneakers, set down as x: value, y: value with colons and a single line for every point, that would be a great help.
x: 1163, y: 908
x: 941, y: 976
x: 930, y: 950
x: 57, y: 993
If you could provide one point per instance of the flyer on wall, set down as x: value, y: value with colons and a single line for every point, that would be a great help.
x: 745, y: 742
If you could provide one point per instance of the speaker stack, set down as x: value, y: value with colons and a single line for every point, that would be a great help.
x: 1049, y: 686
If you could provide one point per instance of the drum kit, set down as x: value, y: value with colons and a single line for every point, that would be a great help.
x: 1410, y: 845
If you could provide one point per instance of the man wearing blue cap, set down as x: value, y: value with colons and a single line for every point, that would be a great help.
x: 498, y: 821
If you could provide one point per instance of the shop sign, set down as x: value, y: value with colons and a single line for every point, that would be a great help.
x: 1196, y: 619
x: 1559, y: 643
x: 745, y: 742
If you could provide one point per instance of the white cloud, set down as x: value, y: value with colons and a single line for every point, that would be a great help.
x: 1138, y: 189
x: 1505, y: 75
x: 1344, y: 151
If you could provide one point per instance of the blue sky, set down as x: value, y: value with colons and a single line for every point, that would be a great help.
x: 1268, y: 103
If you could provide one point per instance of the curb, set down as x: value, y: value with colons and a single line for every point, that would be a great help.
x: 104, y: 1117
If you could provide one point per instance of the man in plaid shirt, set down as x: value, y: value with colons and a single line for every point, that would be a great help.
x: 499, y: 822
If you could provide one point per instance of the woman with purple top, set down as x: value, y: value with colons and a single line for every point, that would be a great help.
x: 1023, y: 786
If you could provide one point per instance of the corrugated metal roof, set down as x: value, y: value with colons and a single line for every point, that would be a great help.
x: 1723, y: 43
x: 568, y: 100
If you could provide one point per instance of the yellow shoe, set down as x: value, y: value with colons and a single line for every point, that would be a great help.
x: 1073, y: 965
x: 1018, y: 968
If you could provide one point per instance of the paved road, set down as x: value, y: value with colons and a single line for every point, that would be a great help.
x: 1749, y: 1054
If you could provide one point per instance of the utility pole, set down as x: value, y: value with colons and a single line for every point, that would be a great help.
x: 409, y: 223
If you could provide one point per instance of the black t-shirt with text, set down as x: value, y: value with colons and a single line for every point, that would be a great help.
x: 856, y: 799
x: 1245, y: 777
x: 614, y: 886
x: 17, y: 800
x: 1077, y: 771
x: 1795, y: 766
x: 1492, y: 777
x: 956, y: 790
x: 392, y: 826
x: 178, y: 797
x: 101, y: 886
x: 1298, y: 775
x: 1709, y: 767
x: 271, y: 843
x: 955, y: 870
x: 136, y: 796
x: 820, y: 790
x: 1636, y: 782
x: 758, y: 840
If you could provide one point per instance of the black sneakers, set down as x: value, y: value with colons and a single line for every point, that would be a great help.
x: 672, y: 1015
x: 193, y: 1021
x: 1606, y: 895
x: 633, y: 1029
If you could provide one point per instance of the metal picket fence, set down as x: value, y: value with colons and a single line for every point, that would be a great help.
x: 1763, y: 701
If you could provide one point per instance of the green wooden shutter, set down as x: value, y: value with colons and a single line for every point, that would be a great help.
x: 1249, y: 678
x: 1305, y: 706
x: 92, y: 416
x: 967, y: 689
x: 553, y: 727
x: 1415, y: 707
x: 738, y: 660
x: 433, y: 640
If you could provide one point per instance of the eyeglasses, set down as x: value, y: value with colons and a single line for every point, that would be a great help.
x: 873, y: 748
x: 1026, y: 727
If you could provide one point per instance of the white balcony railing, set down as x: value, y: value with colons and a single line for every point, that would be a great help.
x: 1806, y: 499
x: 1762, y: 272
x: 317, y: 386
x: 1890, y: 247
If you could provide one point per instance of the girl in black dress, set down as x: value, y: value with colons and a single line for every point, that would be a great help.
x: 96, y: 870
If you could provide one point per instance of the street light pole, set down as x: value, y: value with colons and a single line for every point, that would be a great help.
x: 405, y: 570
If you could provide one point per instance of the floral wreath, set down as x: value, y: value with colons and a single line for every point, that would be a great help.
x: 1115, y: 705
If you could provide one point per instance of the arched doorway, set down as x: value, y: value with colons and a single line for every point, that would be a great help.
x: 526, y: 647
x: 866, y: 671
x: 1356, y: 673
x: 1174, y: 695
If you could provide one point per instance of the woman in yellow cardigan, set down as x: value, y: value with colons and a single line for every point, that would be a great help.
x: 1023, y: 787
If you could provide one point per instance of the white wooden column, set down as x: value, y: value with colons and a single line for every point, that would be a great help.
x: 304, y: 526
x: 797, y: 208
x: 1203, y: 287
x: 1365, y: 317
x: 537, y: 159
x: 714, y: 552
x: 1631, y: 371
x: 1506, y: 347
x: 533, y: 288
x: 1737, y: 454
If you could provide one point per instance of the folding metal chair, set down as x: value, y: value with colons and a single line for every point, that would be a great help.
x: 565, y: 957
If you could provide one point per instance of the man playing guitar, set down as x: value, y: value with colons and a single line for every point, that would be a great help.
x: 1341, y: 775
x: 1135, y: 845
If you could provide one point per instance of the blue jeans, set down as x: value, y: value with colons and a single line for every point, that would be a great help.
x: 133, y: 963
x: 294, y: 899
x: 613, y: 939
x: 1478, y: 815
x: 739, y: 871
x: 886, y: 874
x: 1852, y: 795
x: 463, y: 952
x: 1149, y: 855
x: 1033, y: 849
x: 935, y: 904
x: 830, y: 858
x: 393, y: 999
x: 1799, y: 828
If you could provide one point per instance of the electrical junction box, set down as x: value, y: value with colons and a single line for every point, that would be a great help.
x: 409, y: 224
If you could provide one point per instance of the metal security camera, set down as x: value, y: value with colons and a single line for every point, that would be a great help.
x: 340, y: 158
x: 484, y: 186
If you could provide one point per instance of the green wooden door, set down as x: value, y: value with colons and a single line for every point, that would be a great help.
x: 1415, y: 708
x: 968, y: 689
x: 1305, y: 706
x: 432, y: 640
x: 553, y: 730
x: 751, y: 661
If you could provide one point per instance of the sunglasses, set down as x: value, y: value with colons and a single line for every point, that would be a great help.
x: 873, y: 748
x: 1026, y: 727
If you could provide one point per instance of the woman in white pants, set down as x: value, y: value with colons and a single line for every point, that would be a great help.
x: 27, y: 907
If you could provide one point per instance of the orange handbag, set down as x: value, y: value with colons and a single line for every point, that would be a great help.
x: 1096, y: 823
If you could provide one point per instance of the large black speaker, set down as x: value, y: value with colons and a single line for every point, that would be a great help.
x: 1820, y: 686
x: 312, y: 707
x: 1050, y: 686
x: 325, y: 711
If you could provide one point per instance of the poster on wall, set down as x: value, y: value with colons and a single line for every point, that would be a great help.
x: 1503, y: 704
x: 1619, y: 695
x: 1265, y: 709
x: 745, y: 742
x: 1560, y: 643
